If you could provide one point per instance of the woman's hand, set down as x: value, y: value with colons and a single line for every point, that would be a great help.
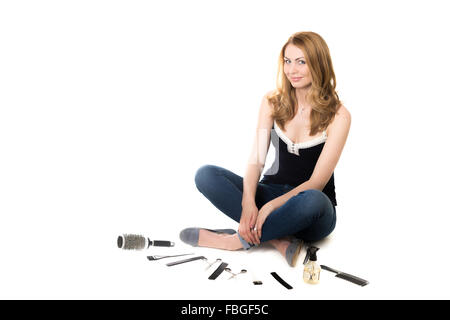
x: 264, y: 212
x: 247, y: 222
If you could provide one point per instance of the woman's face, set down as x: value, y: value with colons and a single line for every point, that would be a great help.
x: 295, y: 67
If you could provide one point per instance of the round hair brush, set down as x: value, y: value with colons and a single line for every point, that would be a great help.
x: 138, y: 242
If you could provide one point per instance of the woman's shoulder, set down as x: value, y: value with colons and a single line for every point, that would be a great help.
x: 342, y: 112
x: 341, y: 118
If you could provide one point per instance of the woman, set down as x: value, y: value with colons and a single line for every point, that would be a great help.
x: 308, y: 126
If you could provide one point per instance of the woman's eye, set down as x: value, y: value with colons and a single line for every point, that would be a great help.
x: 299, y: 62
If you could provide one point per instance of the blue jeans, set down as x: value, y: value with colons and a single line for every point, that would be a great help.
x: 309, y: 215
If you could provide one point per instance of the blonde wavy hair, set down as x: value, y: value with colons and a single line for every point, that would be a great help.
x: 322, y: 96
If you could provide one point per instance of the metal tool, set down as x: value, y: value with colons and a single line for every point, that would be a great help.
x: 234, y: 274
x: 210, y: 264
x: 156, y: 257
x: 185, y: 260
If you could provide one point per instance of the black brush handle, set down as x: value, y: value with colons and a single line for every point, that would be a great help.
x: 161, y: 243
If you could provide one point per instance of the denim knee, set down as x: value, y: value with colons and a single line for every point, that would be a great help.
x: 312, y: 200
x: 203, y: 175
x: 312, y: 196
x: 319, y: 214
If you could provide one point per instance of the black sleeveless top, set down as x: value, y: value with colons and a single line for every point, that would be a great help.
x: 294, y: 163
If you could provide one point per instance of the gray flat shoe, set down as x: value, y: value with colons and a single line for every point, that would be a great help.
x: 190, y: 235
x: 293, y: 251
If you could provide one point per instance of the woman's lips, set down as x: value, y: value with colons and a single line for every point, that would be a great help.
x: 296, y: 79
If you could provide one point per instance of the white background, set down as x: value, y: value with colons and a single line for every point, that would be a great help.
x: 108, y: 108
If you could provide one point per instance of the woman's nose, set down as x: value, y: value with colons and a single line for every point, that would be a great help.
x: 292, y: 69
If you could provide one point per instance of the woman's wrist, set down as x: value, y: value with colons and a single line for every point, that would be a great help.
x: 274, y: 203
x: 248, y: 201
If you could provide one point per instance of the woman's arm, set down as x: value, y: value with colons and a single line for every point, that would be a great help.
x: 255, y: 166
x: 337, y: 135
x: 257, y: 158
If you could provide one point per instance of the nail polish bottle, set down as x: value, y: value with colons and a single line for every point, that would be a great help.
x: 311, y: 272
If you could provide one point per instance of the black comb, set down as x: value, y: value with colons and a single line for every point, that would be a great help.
x: 346, y: 276
x: 218, y: 271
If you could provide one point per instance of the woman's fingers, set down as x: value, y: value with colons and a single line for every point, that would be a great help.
x: 249, y: 230
x: 258, y: 230
x: 243, y: 225
x: 255, y: 234
x: 245, y: 233
x: 251, y: 235
x: 242, y: 233
x: 246, y: 236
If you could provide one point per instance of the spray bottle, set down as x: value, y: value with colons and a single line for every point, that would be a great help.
x: 311, y: 272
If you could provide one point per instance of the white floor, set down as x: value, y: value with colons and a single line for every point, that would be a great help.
x: 65, y: 264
